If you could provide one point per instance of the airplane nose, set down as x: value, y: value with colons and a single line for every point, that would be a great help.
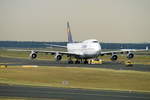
x: 98, y: 51
x: 98, y: 48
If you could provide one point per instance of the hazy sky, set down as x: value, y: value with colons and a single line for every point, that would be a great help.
x: 104, y: 20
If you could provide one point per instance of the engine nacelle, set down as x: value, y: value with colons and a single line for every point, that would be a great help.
x: 114, y: 57
x: 58, y: 57
x: 33, y: 55
x: 130, y: 55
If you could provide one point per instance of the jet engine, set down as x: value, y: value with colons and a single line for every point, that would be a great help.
x: 130, y: 55
x: 33, y: 55
x: 58, y: 57
x: 114, y: 57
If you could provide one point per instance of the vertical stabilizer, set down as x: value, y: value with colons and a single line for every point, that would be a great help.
x: 69, y: 33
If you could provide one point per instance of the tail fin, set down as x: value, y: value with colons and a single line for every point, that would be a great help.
x: 69, y: 33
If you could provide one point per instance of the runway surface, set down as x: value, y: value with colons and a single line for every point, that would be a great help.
x: 68, y: 94
x: 110, y: 65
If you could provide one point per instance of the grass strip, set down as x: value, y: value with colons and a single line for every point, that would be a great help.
x: 68, y: 77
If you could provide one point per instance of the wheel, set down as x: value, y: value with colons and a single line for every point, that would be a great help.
x: 85, y: 62
x: 70, y: 62
x: 77, y: 62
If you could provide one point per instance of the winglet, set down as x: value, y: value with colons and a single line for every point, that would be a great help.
x: 146, y: 47
x: 70, y: 40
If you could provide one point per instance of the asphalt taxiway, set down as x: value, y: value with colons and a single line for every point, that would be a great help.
x: 68, y: 94
x: 109, y: 65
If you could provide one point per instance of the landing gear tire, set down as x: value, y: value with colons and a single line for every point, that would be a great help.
x: 70, y: 62
x: 85, y: 62
x: 77, y: 62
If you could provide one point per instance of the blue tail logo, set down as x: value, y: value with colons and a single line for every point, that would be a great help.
x: 69, y: 33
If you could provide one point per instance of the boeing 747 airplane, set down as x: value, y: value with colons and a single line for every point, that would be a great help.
x: 83, y: 51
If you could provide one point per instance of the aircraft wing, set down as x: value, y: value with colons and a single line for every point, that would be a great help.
x: 121, y: 51
x: 47, y: 52
x: 56, y: 52
x: 113, y: 52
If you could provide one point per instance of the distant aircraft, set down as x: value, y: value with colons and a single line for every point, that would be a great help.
x: 83, y: 51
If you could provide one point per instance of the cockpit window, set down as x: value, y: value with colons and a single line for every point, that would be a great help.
x: 95, y: 41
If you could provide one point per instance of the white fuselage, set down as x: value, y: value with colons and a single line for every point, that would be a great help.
x: 86, y: 49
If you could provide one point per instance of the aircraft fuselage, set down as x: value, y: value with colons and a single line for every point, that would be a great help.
x: 87, y: 49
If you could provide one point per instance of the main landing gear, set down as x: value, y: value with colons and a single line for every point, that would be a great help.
x: 78, y: 61
x: 70, y: 61
x: 85, y: 61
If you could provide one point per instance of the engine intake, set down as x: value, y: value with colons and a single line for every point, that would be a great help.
x: 114, y: 57
x: 58, y: 57
x: 130, y: 55
x: 33, y: 55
